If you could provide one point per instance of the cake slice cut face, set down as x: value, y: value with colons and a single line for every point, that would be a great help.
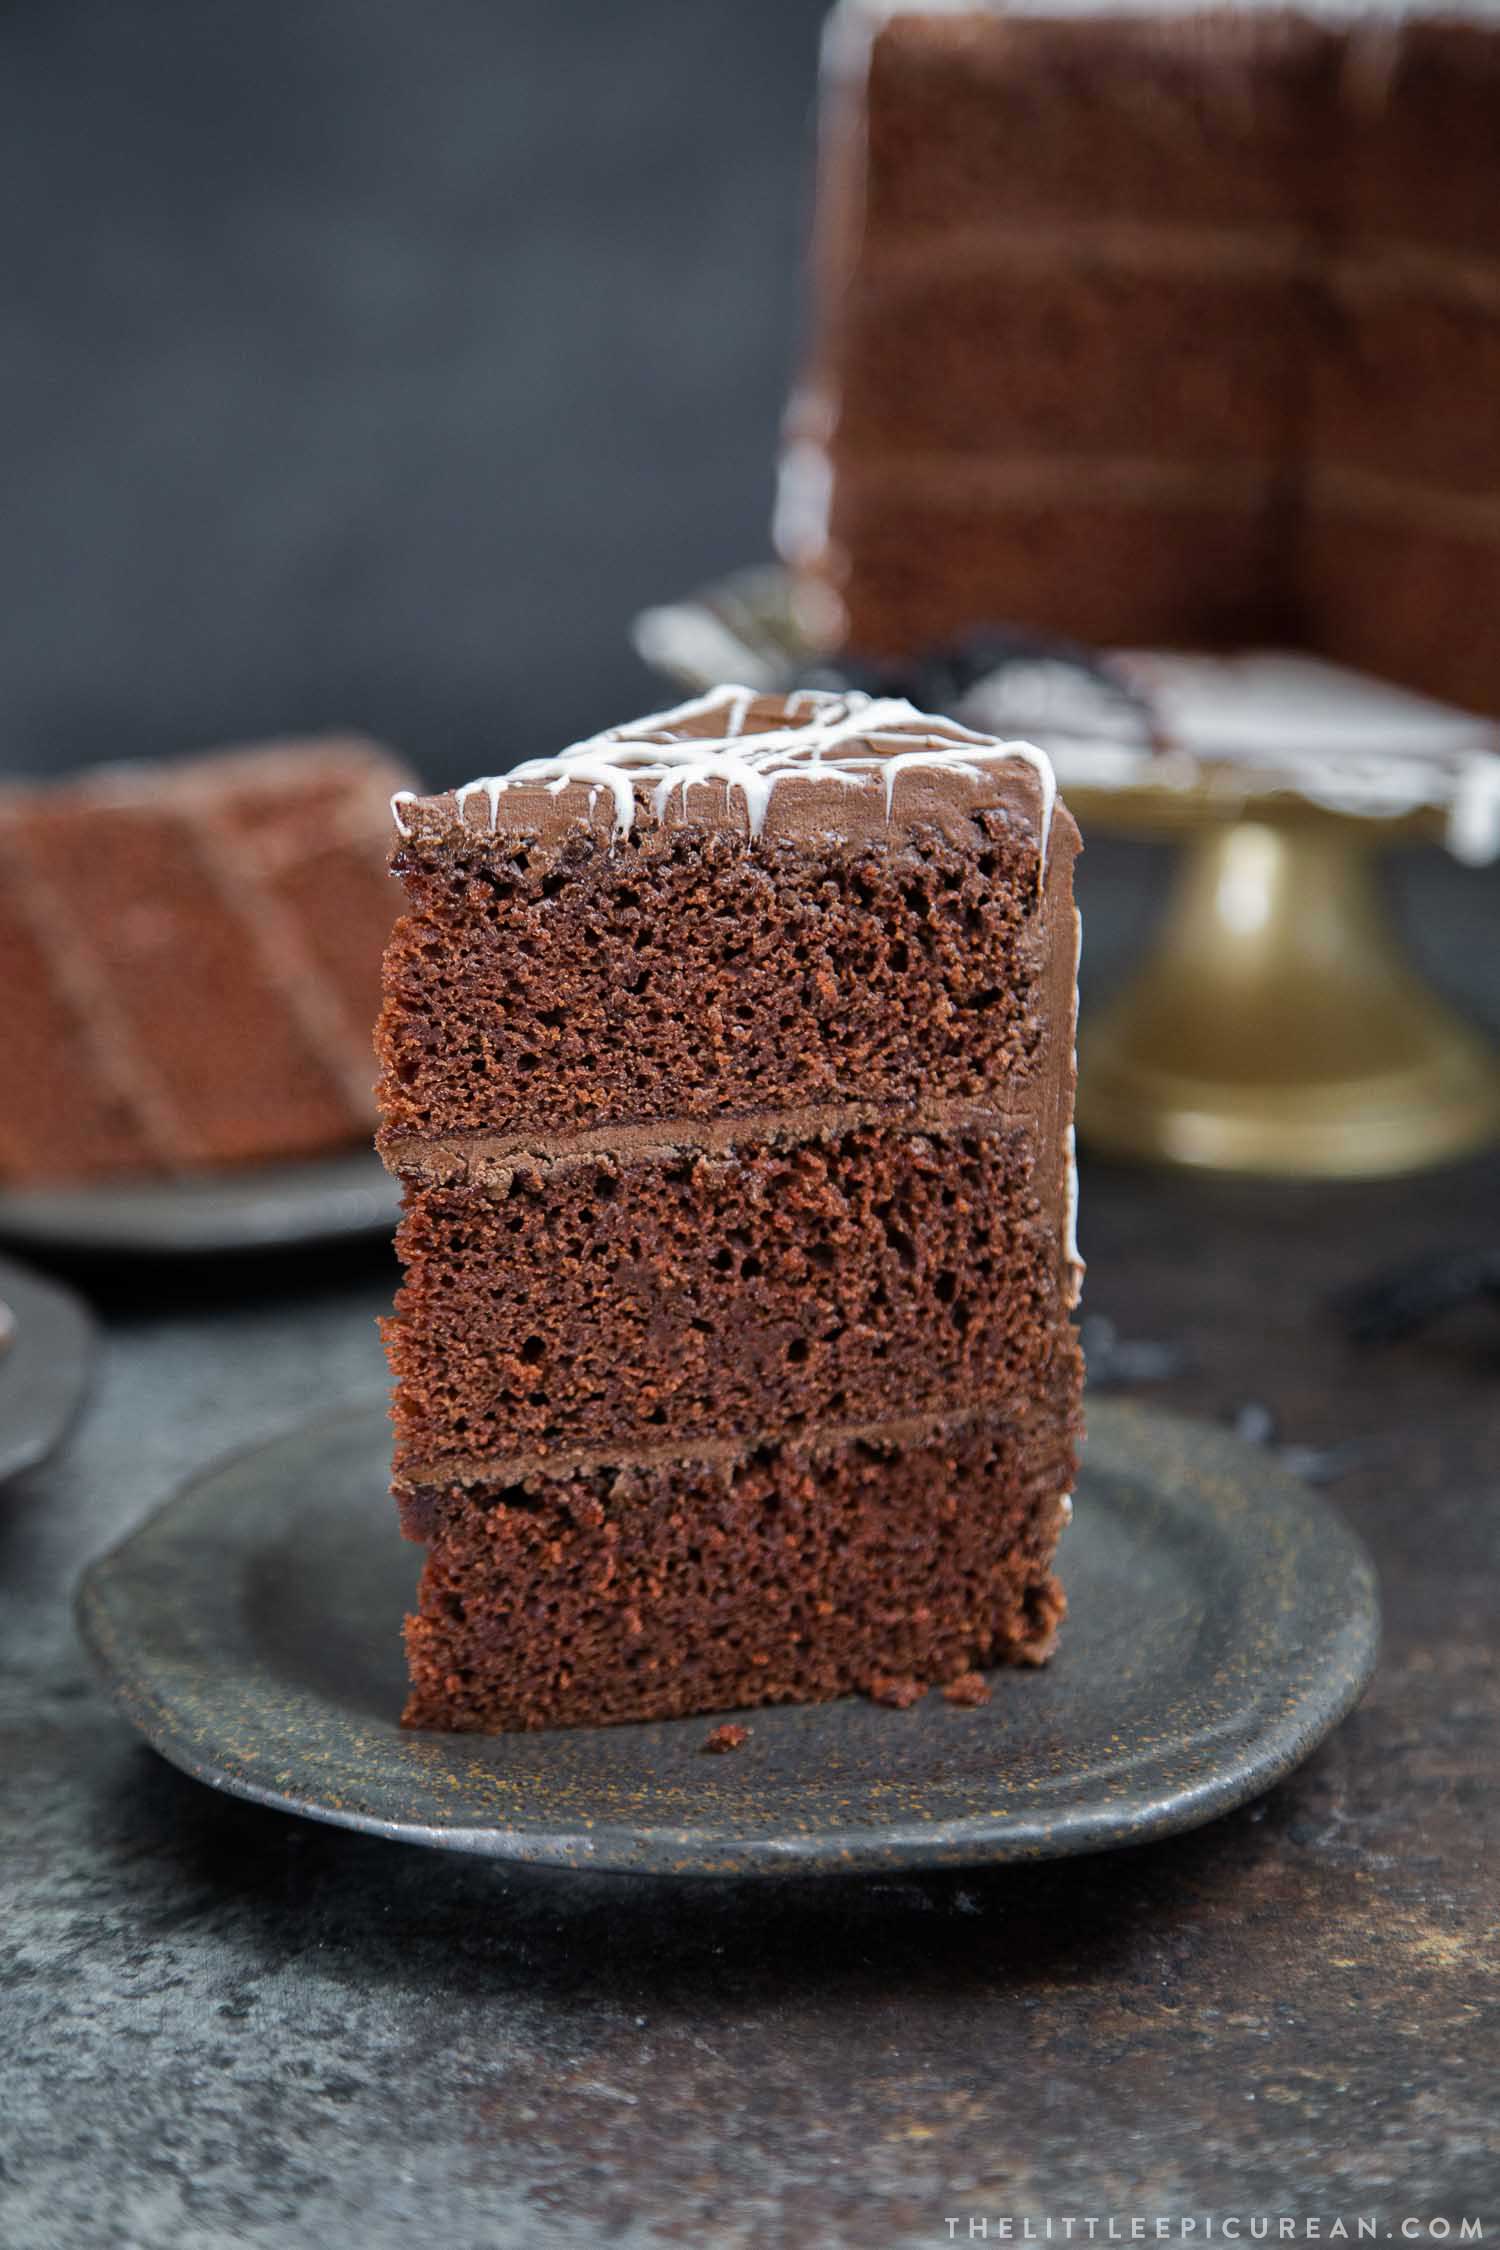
x: 727, y: 1061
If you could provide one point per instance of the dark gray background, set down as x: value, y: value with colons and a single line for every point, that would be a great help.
x: 373, y: 361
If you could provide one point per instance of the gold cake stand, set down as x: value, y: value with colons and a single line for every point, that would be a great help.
x: 1276, y: 1025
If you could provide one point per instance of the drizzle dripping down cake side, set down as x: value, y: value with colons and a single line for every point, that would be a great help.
x: 728, y: 1067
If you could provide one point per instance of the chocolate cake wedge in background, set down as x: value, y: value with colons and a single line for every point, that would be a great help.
x: 728, y: 1066
x: 191, y: 959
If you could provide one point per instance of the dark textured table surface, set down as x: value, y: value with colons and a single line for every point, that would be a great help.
x: 225, y: 2026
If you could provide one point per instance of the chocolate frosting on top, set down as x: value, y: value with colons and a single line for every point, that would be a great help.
x: 804, y: 763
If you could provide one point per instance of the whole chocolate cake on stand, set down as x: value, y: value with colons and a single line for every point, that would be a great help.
x: 728, y: 1068
x: 1176, y: 329
x: 1158, y: 325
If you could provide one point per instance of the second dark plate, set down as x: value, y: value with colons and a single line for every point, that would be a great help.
x: 44, y: 1366
x: 1222, y: 1620
x: 266, y: 1207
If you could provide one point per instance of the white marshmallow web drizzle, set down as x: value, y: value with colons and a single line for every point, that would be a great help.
x: 647, y: 755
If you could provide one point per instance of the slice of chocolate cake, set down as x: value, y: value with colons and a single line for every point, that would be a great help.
x: 191, y: 959
x: 728, y: 1065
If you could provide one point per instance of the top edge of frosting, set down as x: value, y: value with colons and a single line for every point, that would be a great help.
x: 849, y: 739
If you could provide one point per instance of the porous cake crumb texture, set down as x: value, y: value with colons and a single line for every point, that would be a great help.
x: 734, y: 1361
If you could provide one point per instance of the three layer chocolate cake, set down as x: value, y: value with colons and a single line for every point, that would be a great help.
x: 1159, y: 325
x: 728, y: 1067
x: 190, y: 955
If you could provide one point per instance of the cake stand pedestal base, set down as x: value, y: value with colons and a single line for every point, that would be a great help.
x: 1277, y: 1027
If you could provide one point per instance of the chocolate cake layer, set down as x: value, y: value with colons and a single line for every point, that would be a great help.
x: 318, y: 836
x: 709, y: 973
x: 1066, y: 262
x: 1009, y: 349
x: 1146, y: 115
x: 1416, y: 149
x: 1415, y: 601
x: 200, y: 947
x: 796, y: 1571
x: 62, y: 1110
x: 753, y: 1291
x: 1443, y: 336
x: 729, y: 1072
x: 143, y: 900
x: 1148, y: 557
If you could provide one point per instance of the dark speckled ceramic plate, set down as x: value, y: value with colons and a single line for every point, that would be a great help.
x: 269, y: 1207
x: 46, y: 1351
x: 1223, y: 1620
